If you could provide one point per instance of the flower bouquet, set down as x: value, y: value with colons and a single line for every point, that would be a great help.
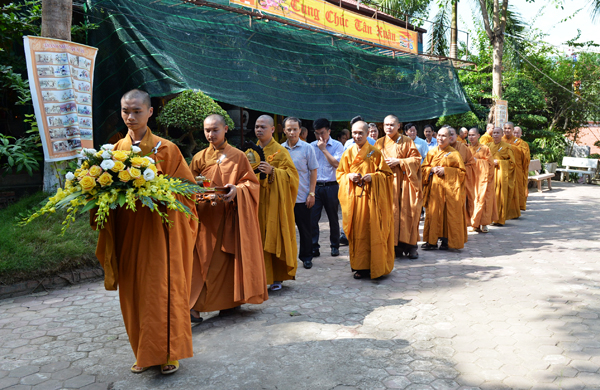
x: 108, y: 179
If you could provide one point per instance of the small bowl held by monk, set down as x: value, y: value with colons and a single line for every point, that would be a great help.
x: 217, y: 190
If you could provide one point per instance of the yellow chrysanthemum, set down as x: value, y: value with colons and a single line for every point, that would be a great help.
x: 119, y: 166
x: 87, y: 183
x: 137, y: 162
x: 124, y: 176
x: 140, y: 181
x: 135, y: 173
x: 95, y: 171
x: 105, y: 179
x: 120, y: 155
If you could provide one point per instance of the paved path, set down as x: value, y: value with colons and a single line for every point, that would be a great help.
x: 516, y: 309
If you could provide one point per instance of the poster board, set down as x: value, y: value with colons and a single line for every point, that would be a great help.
x: 61, y: 82
x: 329, y: 17
x: 500, y: 113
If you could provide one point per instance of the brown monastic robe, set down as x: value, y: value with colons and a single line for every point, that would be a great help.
x: 229, y: 267
x: 504, y: 178
x: 485, y: 139
x: 444, y: 198
x: 151, y: 263
x: 514, y: 207
x: 481, y: 198
x: 407, y: 186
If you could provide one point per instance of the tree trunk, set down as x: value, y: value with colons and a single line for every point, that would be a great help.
x: 56, y: 23
x: 454, y: 30
x: 498, y: 47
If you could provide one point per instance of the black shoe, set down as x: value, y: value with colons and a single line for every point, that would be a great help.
x: 307, y: 264
x: 344, y: 240
x: 444, y: 247
x: 316, y: 253
x: 413, y: 254
x: 335, y: 252
x: 195, y: 320
x: 427, y: 246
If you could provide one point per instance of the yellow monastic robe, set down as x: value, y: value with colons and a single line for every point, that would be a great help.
x: 229, y: 267
x: 152, y: 264
x: 481, y: 197
x: 514, y: 208
x: 276, y: 214
x: 469, y: 162
x: 444, y: 198
x: 504, y: 178
x: 367, y: 211
x: 524, y: 147
x: 462, y: 141
x: 486, y: 139
x: 407, y: 186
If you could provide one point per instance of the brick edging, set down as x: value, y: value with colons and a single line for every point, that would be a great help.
x: 50, y: 282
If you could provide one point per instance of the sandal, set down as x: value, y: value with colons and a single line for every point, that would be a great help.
x: 276, y: 286
x: 138, y: 369
x: 361, y: 274
x: 174, y: 363
x: 484, y: 229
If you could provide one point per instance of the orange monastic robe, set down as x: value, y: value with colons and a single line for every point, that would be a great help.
x: 486, y: 139
x: 228, y: 272
x: 462, y: 141
x: 444, y: 198
x: 470, y: 167
x: 367, y: 211
x: 151, y: 264
x: 524, y: 148
x: 276, y: 214
x: 407, y: 186
x: 514, y: 209
x: 504, y: 178
x: 481, y: 197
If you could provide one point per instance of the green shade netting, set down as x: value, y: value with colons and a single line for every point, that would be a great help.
x: 165, y: 47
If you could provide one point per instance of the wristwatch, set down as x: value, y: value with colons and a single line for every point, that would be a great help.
x: 311, y: 194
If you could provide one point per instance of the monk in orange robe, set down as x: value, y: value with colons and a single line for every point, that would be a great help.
x: 229, y: 267
x: 462, y: 136
x: 514, y: 207
x: 150, y: 262
x: 278, y: 192
x: 487, y: 137
x: 518, y: 133
x: 504, y: 177
x: 403, y: 158
x: 481, y: 198
x: 443, y: 196
x: 469, y: 162
x: 366, y: 196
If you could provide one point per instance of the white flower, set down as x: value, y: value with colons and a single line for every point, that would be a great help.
x: 91, y: 151
x: 106, y: 155
x: 135, y: 149
x: 107, y: 164
x: 149, y: 174
x: 69, y: 176
x: 150, y: 159
x: 108, y: 147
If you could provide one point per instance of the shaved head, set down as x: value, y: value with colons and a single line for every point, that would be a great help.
x: 138, y: 94
x: 268, y: 119
x: 392, y: 118
x: 218, y: 118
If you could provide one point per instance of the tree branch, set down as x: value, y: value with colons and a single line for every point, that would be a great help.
x: 486, y: 19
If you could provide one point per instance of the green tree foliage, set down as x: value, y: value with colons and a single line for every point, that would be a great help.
x: 187, y: 112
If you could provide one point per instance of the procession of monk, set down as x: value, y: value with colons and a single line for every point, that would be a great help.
x: 239, y: 246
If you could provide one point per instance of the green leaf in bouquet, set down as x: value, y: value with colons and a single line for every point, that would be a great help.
x: 88, y: 206
x: 64, y: 202
x: 122, y: 199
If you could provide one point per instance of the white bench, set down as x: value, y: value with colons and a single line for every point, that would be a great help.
x: 536, y: 166
x: 590, y: 165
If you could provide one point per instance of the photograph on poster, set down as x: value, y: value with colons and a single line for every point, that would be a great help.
x: 66, y: 96
x: 68, y: 108
x: 48, y: 96
x: 70, y: 120
x: 84, y: 110
x: 44, y: 58
x: 55, y: 121
x: 73, y: 60
x: 86, y: 134
x: 73, y: 132
x: 84, y: 98
x: 81, y: 74
x: 61, y: 59
x: 74, y: 143
x: 58, y: 133
x: 47, y: 83
x: 85, y: 122
x: 52, y: 109
x: 60, y: 146
x: 62, y: 70
x: 64, y: 83
x: 83, y: 86
x: 45, y: 71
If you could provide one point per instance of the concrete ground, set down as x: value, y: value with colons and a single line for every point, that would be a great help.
x: 516, y: 309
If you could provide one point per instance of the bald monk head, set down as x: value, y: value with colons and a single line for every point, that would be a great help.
x: 391, y: 125
x: 360, y: 131
x: 215, y: 128
x: 473, y: 136
x: 264, y: 128
x: 508, y: 129
x: 497, y: 135
x: 452, y: 135
x: 136, y: 109
x: 489, y: 128
x: 464, y: 132
x: 443, y: 137
x: 518, y: 132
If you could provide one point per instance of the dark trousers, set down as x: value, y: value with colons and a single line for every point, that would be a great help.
x: 326, y: 196
x: 302, y: 214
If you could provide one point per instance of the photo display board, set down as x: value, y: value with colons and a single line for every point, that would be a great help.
x: 61, y: 81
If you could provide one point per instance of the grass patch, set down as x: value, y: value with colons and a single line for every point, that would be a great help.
x: 38, y: 250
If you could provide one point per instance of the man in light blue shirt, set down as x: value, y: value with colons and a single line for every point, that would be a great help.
x: 328, y: 152
x: 429, y: 138
x: 306, y: 164
x: 411, y: 131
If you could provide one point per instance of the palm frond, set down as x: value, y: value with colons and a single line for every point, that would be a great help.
x: 439, y: 41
